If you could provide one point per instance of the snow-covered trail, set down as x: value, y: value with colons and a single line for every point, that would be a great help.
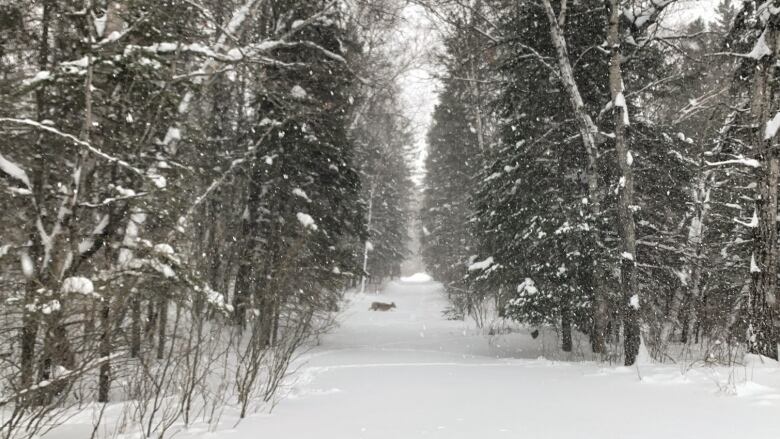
x: 410, y: 373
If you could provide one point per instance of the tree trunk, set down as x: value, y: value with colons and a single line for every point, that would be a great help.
x: 275, y: 330
x: 628, y: 281
x: 475, y: 80
x: 104, y: 380
x: 763, y: 267
x: 30, y: 319
x: 368, y: 242
x: 57, y: 351
x: 566, y: 343
x: 685, y: 321
x: 162, y: 312
x: 246, y: 278
x: 243, y: 288
x: 135, y: 326
x: 151, y: 321
x: 30, y: 324
x: 588, y: 132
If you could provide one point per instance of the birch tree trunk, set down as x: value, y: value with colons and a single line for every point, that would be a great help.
x: 30, y: 319
x: 477, y: 106
x: 588, y: 132
x: 474, y: 84
x: 368, y: 242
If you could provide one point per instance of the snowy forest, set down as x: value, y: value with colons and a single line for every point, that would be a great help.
x: 594, y: 168
x: 199, y: 197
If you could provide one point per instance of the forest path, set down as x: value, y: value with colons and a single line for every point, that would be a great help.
x: 410, y: 373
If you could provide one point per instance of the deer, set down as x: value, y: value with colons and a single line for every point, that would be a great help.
x: 379, y: 306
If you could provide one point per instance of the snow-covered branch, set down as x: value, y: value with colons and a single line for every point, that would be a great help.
x: 14, y: 171
x: 111, y: 200
x: 646, y: 14
x: 50, y: 129
x: 753, y: 163
x: 62, y: 377
x: 234, y: 165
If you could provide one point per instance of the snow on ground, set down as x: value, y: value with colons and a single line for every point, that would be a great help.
x: 410, y: 373
x: 417, y: 277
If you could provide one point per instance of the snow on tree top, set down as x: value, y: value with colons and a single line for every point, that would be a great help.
x: 184, y: 105
x: 767, y: 10
x: 298, y: 92
x: 51, y: 307
x: 78, y: 284
x: 772, y: 126
x: 493, y: 176
x: 171, y: 135
x: 684, y: 138
x: 217, y: 299
x: 266, y: 121
x: 100, y: 24
x: 761, y: 49
x: 164, y: 249
x: 753, y: 221
x: 306, y: 220
x: 620, y: 102
x: 300, y: 193
x: 42, y: 75
x: 28, y: 269
x: 527, y: 286
x: 753, y: 265
x: 481, y: 265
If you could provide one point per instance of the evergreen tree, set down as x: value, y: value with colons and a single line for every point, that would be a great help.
x: 170, y: 165
x: 383, y: 139
x: 458, y: 139
x: 302, y: 204
x: 452, y: 158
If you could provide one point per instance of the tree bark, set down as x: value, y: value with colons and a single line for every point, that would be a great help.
x: 246, y: 278
x: 151, y: 321
x: 30, y: 319
x: 763, y: 334
x: 628, y: 275
x: 104, y: 351
x: 475, y: 82
x: 135, y: 325
x: 30, y: 325
x: 566, y: 343
x: 588, y: 132
x: 162, y: 313
x: 368, y: 242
